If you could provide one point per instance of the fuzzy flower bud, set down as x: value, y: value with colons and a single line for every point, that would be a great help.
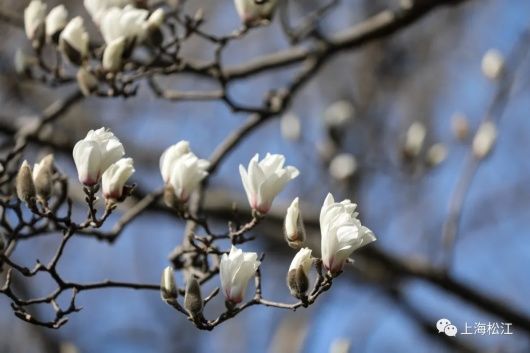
x: 95, y: 153
x: 255, y: 12
x: 236, y: 269
x: 414, y: 140
x: 264, y: 179
x: 294, y: 226
x: 492, y: 64
x: 24, y: 184
x: 42, y: 177
x: 168, y: 287
x: 55, y: 22
x: 298, y: 275
x: 193, y: 299
x: 342, y: 233
x: 114, y: 178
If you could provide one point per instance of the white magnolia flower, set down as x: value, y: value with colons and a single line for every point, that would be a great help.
x: 34, y: 17
x: 97, y: 8
x: 264, y: 179
x: 236, y: 269
x: 170, y: 156
x: 182, y: 170
x: 302, y: 260
x: 95, y: 153
x: 128, y: 22
x: 113, y: 55
x: 156, y: 18
x: 56, y: 21
x: 253, y: 14
x: 115, y: 177
x: 74, y: 40
x: 293, y: 225
x: 342, y: 233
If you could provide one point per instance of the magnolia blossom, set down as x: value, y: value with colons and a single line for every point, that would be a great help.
x: 128, y: 22
x: 253, y: 13
x: 115, y: 177
x: 56, y: 21
x: 74, y: 40
x: 182, y: 170
x: 97, y: 8
x: 236, y: 269
x: 294, y: 226
x: 298, y: 275
x: 95, y: 153
x: 34, y: 17
x: 264, y: 179
x: 113, y: 55
x: 342, y: 233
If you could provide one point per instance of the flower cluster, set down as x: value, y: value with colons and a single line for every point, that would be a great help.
x: 99, y: 157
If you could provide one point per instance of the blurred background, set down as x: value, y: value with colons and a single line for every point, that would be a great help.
x: 349, y: 132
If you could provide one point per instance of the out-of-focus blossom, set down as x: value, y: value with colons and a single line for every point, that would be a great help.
x: 97, y: 8
x: 343, y: 166
x: 128, y: 22
x: 291, y: 127
x: 236, y: 269
x: 55, y: 22
x: 34, y: 21
x: 484, y: 139
x: 253, y: 13
x: 414, y: 139
x: 113, y: 55
x: 264, y: 179
x: 95, y: 153
x: 492, y: 64
x: 436, y: 154
x: 342, y: 233
x: 74, y: 41
x: 339, y: 114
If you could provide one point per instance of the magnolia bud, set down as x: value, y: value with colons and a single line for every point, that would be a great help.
x: 193, y: 299
x: 484, y: 139
x: 297, y: 277
x: 170, y: 199
x: 88, y: 83
x: 294, y: 226
x: 343, y: 167
x: 255, y: 12
x: 168, y: 287
x: 34, y: 23
x: 42, y: 177
x: 55, y: 23
x: 154, y: 22
x: 24, y: 184
x: 113, y: 55
x: 297, y: 282
x: 74, y: 41
x: 291, y: 127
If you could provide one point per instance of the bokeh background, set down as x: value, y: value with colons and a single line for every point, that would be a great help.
x: 426, y: 73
